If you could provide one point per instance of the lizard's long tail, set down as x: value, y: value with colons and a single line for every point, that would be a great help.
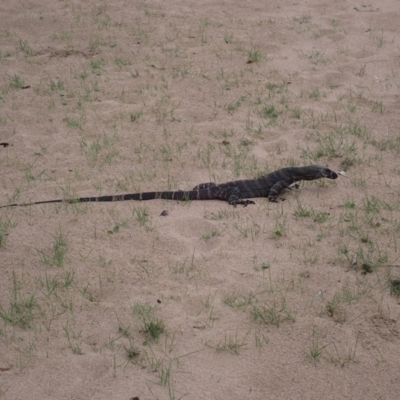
x: 177, y: 195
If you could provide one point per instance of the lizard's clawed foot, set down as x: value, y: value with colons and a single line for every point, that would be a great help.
x: 244, y: 203
x: 234, y: 202
x: 247, y: 202
x: 294, y: 187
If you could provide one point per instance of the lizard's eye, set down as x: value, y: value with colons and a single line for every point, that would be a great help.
x: 326, y: 172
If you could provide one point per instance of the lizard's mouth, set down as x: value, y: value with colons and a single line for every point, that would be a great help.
x: 333, y: 175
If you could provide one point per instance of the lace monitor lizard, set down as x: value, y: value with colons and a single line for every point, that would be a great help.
x: 234, y: 192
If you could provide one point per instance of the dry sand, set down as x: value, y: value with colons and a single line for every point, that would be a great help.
x: 295, y: 300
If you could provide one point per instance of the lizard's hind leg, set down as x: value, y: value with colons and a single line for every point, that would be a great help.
x: 235, y: 199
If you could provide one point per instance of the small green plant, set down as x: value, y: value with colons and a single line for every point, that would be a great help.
x: 122, y: 62
x: 20, y: 311
x: 24, y: 46
x: 153, y: 329
x: 273, y: 314
x: 230, y: 344
x: 302, y: 24
x: 303, y: 19
x: 213, y: 232
x: 100, y: 151
x: 269, y: 315
x: 394, y: 286
x: 265, y: 265
x: 320, y: 216
x: 131, y: 350
x: 342, y: 359
x: 73, y: 338
x: 228, y: 37
x: 142, y: 216
x: 349, y: 204
x: 68, y: 279
x: 335, y: 23
x: 280, y: 227
x: 371, y: 258
x: 62, y: 35
x: 334, y: 310
x: 315, y: 94
x: 361, y: 71
x: 29, y: 174
x: 346, y: 163
x: 151, y: 326
x: 95, y: 42
x: 181, y: 70
x: 260, y: 340
x: 16, y: 82
x: 74, y: 122
x: 56, y: 85
x: 301, y: 211
x: 378, y: 38
x: 97, y: 66
x: 134, y: 116
x: 57, y: 254
x: 296, y: 112
x: 5, y: 224
x: 238, y: 301
x: 254, y: 56
x: 232, y: 107
x: 268, y: 111
x: 123, y: 329
x: 378, y: 107
x: 315, y: 351
x: 315, y: 56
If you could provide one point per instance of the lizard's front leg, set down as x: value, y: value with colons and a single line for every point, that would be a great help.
x: 276, y: 189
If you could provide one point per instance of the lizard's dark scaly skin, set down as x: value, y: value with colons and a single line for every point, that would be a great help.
x: 234, y: 192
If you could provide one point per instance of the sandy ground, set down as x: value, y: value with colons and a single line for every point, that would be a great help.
x: 295, y: 300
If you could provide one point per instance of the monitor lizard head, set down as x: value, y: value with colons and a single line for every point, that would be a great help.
x: 325, y: 172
